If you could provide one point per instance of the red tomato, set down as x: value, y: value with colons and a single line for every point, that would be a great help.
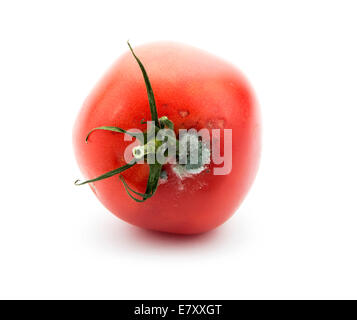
x: 194, y: 89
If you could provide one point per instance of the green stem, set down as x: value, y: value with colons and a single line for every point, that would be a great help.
x: 149, y: 90
x: 107, y: 174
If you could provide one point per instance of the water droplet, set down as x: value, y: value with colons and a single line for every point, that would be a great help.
x: 220, y: 123
x: 215, y: 124
x: 183, y: 113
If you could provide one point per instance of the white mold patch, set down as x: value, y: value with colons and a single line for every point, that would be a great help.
x: 163, y: 177
x: 190, y: 143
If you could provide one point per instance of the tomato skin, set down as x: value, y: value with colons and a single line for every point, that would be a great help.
x: 195, y: 90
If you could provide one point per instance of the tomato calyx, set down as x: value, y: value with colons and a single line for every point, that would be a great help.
x: 149, y: 145
x: 149, y: 90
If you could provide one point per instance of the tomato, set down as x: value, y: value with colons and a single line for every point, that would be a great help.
x: 195, y: 90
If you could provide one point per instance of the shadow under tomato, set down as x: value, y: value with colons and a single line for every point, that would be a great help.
x: 175, y: 239
x: 119, y: 236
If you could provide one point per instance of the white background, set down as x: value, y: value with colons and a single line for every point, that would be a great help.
x: 295, y: 236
